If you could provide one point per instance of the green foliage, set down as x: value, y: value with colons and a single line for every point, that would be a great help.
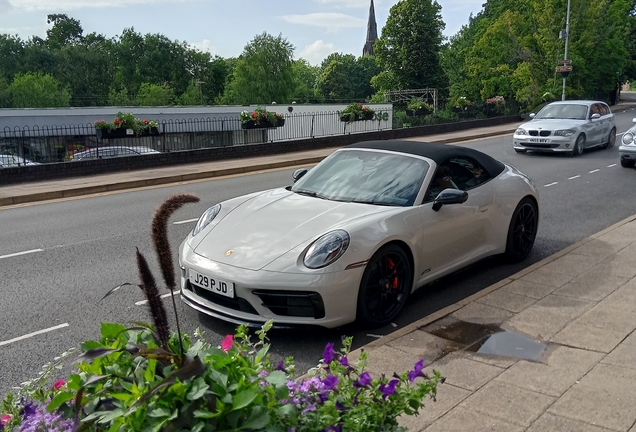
x: 126, y: 121
x: 65, y: 31
x: 260, y: 115
x: 155, y: 95
x: 305, y: 77
x: 118, y: 97
x: 35, y: 90
x: 263, y: 73
x: 417, y: 103
x: 410, y: 45
x: 345, y: 78
x: 356, y: 112
x: 192, y: 96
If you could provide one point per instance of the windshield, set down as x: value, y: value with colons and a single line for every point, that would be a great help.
x: 563, y: 111
x: 365, y: 176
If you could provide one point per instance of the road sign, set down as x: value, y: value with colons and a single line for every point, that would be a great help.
x: 565, y: 62
x: 567, y: 68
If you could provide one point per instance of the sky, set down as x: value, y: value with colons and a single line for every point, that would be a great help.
x: 316, y: 28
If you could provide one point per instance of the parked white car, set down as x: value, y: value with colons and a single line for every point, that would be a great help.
x: 567, y: 126
x: 7, y: 160
x: 627, y: 149
x: 111, y: 152
x: 356, y: 235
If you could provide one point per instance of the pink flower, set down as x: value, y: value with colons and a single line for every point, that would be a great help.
x: 5, y: 419
x: 227, y: 342
x: 59, y: 384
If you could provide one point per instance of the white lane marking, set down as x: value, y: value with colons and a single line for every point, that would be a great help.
x: 374, y: 335
x: 593, y: 171
x: 572, y: 178
x: 185, y: 221
x: 550, y: 184
x: 622, y: 133
x: 612, y: 165
x: 143, y: 302
x: 26, y: 336
x: 21, y: 253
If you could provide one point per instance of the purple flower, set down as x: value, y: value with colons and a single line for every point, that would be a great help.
x: 363, y: 381
x: 333, y: 429
x: 329, y: 353
x: 310, y: 407
x: 263, y: 374
x: 28, y: 409
x: 417, y: 371
x: 43, y: 420
x: 281, y: 367
x: 330, y: 382
x: 341, y: 407
x: 344, y: 361
x: 388, y: 390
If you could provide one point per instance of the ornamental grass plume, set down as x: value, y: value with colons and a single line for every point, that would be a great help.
x: 162, y: 245
x: 158, y: 312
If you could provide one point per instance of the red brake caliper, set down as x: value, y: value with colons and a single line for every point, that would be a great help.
x: 394, y: 280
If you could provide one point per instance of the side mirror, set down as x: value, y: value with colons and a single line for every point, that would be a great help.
x: 531, y: 115
x: 449, y: 196
x: 595, y: 116
x: 634, y: 120
x: 299, y: 173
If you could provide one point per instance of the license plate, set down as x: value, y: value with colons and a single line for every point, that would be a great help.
x: 217, y: 286
x: 539, y: 140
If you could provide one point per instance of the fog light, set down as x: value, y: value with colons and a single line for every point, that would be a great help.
x: 183, y: 272
x: 567, y: 146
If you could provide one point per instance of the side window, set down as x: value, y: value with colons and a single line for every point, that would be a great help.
x: 595, y: 109
x: 605, y: 110
x: 463, y: 173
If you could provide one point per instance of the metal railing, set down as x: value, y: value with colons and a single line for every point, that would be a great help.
x: 67, y: 143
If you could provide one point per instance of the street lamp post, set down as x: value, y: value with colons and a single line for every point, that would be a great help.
x: 199, y: 83
x: 567, y: 38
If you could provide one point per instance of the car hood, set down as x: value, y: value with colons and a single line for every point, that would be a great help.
x: 554, y: 124
x: 269, y: 225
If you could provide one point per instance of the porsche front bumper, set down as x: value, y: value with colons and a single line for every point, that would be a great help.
x: 290, y: 299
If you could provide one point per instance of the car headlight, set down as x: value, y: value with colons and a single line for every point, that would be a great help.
x: 520, y: 132
x: 564, y: 132
x: 628, y: 138
x: 326, y: 249
x: 205, y: 219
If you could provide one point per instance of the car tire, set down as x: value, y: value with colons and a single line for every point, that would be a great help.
x: 385, y: 286
x: 520, y: 151
x: 579, y: 145
x: 626, y: 163
x: 522, y: 230
x: 611, y: 140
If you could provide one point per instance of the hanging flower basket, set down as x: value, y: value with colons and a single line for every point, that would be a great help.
x: 125, y: 125
x: 261, y: 119
x: 262, y: 124
x: 356, y: 112
x: 418, y: 112
x: 126, y: 133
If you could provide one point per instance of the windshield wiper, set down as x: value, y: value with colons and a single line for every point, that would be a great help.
x: 372, y: 202
x: 310, y: 193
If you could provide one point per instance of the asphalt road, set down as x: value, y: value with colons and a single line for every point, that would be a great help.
x: 77, y: 250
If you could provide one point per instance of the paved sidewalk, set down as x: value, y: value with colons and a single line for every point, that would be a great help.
x: 578, y: 307
x: 579, y: 304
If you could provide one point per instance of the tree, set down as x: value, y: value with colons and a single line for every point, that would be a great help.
x: 35, y: 90
x: 11, y: 55
x: 263, y: 73
x: 305, y: 77
x: 192, y: 96
x: 410, y: 45
x: 65, y: 31
x: 344, y: 78
x: 5, y: 95
x: 155, y: 95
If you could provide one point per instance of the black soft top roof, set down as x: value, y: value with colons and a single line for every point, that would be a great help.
x: 439, y: 153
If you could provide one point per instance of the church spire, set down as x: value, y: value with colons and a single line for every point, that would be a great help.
x: 372, y: 32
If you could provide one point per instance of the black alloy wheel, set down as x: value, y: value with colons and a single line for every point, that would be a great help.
x: 522, y: 230
x: 385, y: 286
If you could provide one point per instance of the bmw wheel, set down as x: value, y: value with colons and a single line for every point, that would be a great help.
x: 611, y: 140
x: 522, y: 230
x: 385, y: 286
x: 578, y: 146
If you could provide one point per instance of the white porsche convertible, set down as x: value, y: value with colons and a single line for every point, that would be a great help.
x: 356, y: 235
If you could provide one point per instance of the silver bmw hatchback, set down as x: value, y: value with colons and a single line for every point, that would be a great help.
x: 567, y: 126
x: 627, y: 149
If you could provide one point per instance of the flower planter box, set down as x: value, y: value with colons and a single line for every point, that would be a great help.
x: 418, y: 112
x: 358, y: 117
x: 262, y: 124
x: 125, y: 133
